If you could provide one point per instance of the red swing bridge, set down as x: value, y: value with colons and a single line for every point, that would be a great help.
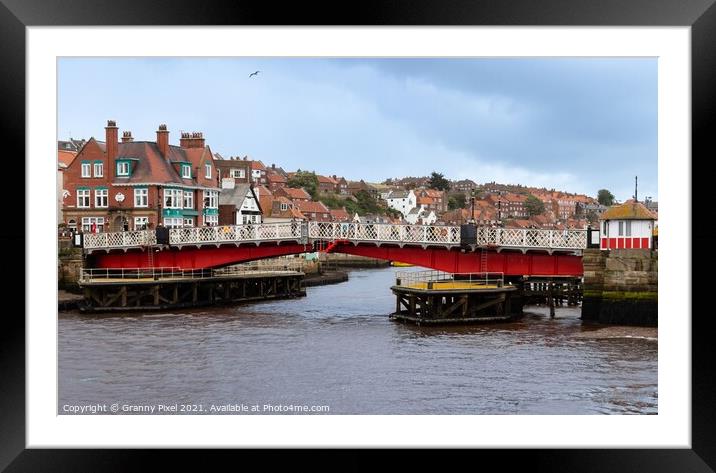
x: 452, y: 249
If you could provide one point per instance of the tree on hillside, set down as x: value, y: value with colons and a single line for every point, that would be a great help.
x: 605, y: 197
x: 305, y: 179
x: 534, y: 206
x: 456, y: 201
x: 438, y: 181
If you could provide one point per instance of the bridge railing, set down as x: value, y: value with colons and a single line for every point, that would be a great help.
x: 119, y: 239
x: 532, y: 238
x: 443, y: 235
x: 385, y: 232
x: 234, y: 233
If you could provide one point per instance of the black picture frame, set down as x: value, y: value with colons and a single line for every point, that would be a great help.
x: 700, y: 15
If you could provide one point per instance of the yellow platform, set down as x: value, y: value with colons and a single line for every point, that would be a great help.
x: 449, y: 285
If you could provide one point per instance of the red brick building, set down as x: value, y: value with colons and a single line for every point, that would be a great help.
x: 316, y: 211
x: 133, y: 185
x: 296, y: 194
x: 326, y: 184
x: 234, y: 168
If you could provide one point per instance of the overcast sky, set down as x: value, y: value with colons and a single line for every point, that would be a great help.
x: 573, y: 124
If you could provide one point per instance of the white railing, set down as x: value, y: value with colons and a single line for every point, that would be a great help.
x: 235, y: 233
x: 532, y: 238
x: 442, y: 235
x: 447, y: 235
x: 385, y: 232
x: 119, y: 239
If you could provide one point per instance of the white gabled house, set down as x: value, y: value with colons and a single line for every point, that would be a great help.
x: 238, y: 204
x: 402, y: 201
x: 420, y: 215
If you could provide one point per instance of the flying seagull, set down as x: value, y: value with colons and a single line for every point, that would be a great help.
x: 253, y: 74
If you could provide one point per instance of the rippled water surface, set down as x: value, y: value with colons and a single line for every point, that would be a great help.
x: 337, y: 348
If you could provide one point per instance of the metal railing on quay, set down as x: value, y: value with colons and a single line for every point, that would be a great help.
x: 428, y: 278
x: 138, y: 274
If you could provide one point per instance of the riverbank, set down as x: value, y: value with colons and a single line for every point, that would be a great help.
x: 67, y: 300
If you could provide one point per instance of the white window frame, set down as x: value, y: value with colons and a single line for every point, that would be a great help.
x: 188, y: 199
x: 213, y: 197
x: 211, y: 220
x: 98, y: 170
x: 101, y: 198
x: 176, y: 197
x: 236, y: 173
x: 141, y: 223
x: 173, y: 222
x: 207, y: 170
x: 284, y: 206
x: 621, y: 229
x: 185, y: 171
x: 123, y: 168
x: 141, y: 197
x: 628, y: 228
x: 188, y: 221
x: 88, y: 221
x: 86, y: 169
x: 81, y: 195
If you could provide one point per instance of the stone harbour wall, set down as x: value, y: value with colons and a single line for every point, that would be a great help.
x: 621, y: 287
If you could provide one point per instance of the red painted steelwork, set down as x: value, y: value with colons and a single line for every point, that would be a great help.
x: 194, y: 258
x: 512, y: 263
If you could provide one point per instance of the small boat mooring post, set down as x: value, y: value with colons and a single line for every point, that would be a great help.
x: 550, y: 299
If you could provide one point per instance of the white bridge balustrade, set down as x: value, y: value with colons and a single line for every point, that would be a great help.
x: 385, y: 233
x: 119, y: 239
x: 290, y: 231
x: 424, y: 235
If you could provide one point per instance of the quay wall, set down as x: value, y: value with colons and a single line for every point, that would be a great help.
x: 69, y: 263
x: 621, y: 287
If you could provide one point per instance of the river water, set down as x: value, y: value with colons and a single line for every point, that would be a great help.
x: 337, y: 348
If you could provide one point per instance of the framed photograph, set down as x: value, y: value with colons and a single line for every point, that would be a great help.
x: 193, y: 146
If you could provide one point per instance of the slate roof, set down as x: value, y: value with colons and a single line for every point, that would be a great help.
x: 236, y: 196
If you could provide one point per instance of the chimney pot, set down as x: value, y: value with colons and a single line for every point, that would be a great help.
x: 163, y: 140
x: 111, y: 141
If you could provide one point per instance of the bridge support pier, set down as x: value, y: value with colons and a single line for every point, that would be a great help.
x: 436, y: 306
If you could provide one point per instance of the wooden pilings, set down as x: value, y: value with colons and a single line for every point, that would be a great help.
x: 553, y: 291
x: 176, y: 293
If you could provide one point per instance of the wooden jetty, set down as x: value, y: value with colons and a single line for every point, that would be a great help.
x: 123, y: 290
x: 436, y: 297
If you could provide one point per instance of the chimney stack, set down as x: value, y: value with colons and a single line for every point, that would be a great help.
x: 163, y: 140
x: 127, y: 137
x: 194, y: 139
x: 273, y: 166
x: 111, y: 140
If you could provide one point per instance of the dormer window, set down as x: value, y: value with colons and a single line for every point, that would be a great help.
x: 186, y: 171
x: 123, y: 168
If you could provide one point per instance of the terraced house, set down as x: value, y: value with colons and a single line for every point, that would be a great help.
x: 135, y: 185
